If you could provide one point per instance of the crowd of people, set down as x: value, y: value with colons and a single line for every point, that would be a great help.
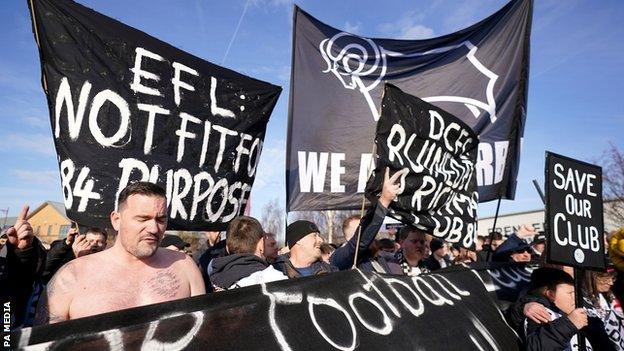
x: 49, y: 286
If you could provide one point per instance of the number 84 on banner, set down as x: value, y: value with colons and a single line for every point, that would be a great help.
x: 83, y: 188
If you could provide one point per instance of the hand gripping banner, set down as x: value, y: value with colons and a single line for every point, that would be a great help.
x: 437, y: 152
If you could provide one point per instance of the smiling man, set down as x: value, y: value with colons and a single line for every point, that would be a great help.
x: 134, y: 272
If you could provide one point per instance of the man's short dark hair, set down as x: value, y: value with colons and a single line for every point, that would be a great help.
x: 243, y: 234
x: 405, y: 231
x: 547, y: 278
x: 496, y: 236
x: 348, y: 221
x: 98, y: 231
x: 140, y: 188
x: 385, y: 244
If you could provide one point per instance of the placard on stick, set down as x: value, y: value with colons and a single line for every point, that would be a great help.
x: 574, y: 213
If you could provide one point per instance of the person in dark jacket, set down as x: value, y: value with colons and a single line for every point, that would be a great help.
x: 411, y: 257
x: 488, y: 247
x: 218, y: 249
x: 304, y: 259
x: 554, y: 289
x: 514, y: 249
x: 439, y: 257
x: 22, y: 260
x: 74, y: 245
x: 303, y: 239
x: 246, y: 265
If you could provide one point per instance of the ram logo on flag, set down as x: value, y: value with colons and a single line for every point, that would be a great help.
x: 357, y: 58
x: 478, y: 74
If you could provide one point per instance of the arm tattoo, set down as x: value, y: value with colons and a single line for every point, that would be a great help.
x: 43, y: 314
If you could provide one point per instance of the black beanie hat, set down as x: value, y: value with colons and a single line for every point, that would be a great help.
x: 435, y: 245
x: 297, y: 230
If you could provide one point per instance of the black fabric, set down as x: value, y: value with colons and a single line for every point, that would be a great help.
x: 555, y: 335
x: 432, y: 264
x: 217, y: 250
x: 515, y: 313
x: 59, y: 254
x: 431, y: 312
x: 196, y: 128
x: 438, y: 151
x: 230, y: 269
x: 19, y: 271
x: 479, y: 74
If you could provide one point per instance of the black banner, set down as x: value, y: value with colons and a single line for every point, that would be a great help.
x: 438, y: 152
x: 125, y: 106
x: 574, y: 213
x: 479, y: 74
x: 344, y: 310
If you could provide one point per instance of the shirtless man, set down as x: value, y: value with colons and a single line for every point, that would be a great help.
x: 134, y: 272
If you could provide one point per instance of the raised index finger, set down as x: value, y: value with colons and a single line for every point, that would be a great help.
x: 23, y: 214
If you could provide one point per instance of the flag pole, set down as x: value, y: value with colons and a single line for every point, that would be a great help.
x: 359, y: 233
x: 44, y: 79
x: 368, y: 170
x: 539, y: 191
x: 6, y: 215
x: 489, y: 254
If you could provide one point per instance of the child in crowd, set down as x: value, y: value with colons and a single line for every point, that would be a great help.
x: 555, y: 290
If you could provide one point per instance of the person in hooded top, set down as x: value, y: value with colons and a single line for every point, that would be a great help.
x: 246, y: 264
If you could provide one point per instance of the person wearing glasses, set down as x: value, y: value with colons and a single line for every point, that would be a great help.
x: 516, y: 248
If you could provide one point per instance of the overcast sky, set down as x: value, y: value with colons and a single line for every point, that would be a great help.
x: 575, y: 107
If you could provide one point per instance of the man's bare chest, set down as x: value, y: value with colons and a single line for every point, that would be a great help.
x: 113, y: 290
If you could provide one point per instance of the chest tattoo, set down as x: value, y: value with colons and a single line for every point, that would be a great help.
x: 165, y: 284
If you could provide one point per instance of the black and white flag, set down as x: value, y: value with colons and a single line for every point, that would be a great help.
x: 125, y: 106
x: 479, y: 74
x: 438, y: 153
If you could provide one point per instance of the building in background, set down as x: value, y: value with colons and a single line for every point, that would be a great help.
x: 49, y: 221
x: 507, y: 224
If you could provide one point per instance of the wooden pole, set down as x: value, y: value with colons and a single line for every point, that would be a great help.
x: 489, y: 254
x: 359, y: 233
x: 579, y: 275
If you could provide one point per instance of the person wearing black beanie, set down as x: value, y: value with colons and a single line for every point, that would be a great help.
x: 304, y: 240
x: 439, y: 257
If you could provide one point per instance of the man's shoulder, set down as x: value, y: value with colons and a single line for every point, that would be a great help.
x: 324, y: 266
x: 167, y: 258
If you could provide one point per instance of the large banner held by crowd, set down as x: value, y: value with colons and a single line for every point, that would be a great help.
x: 479, y: 74
x: 341, y: 311
x: 125, y: 106
x: 438, y: 153
x: 574, y: 213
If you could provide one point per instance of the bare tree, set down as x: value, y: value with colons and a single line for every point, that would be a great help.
x: 273, y: 217
x: 612, y: 161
